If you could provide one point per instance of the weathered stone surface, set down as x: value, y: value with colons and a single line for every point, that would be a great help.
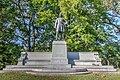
x: 25, y: 67
x: 88, y: 58
x: 37, y: 62
x: 59, y: 56
x: 60, y: 70
x: 38, y: 58
x: 39, y: 55
x: 97, y: 68
x: 41, y: 61
x: 92, y: 62
x: 59, y: 49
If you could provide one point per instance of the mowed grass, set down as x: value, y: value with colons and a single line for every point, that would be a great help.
x: 25, y: 76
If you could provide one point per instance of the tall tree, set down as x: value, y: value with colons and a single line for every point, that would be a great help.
x: 34, y: 24
x: 91, y: 25
x: 9, y: 50
x: 86, y: 29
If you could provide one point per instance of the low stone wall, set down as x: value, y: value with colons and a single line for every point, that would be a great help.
x: 71, y: 56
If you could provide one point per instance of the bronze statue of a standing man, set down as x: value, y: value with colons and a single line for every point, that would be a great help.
x: 60, y: 25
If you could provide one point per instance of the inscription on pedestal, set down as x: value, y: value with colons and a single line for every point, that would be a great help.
x: 59, y: 55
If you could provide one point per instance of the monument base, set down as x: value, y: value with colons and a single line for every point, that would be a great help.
x: 59, y: 56
x: 50, y: 62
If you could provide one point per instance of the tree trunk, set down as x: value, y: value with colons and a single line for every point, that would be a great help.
x: 33, y: 39
x: 29, y: 39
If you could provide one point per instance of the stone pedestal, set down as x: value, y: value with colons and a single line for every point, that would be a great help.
x: 59, y: 56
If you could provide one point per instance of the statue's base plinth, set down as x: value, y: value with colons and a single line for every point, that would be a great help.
x: 59, y: 56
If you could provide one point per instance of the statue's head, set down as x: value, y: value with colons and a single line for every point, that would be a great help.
x: 60, y: 14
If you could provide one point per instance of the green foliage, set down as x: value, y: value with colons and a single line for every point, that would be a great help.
x: 31, y: 24
x: 24, y: 76
x: 111, y: 54
x: 9, y: 50
x: 9, y: 53
x: 86, y: 27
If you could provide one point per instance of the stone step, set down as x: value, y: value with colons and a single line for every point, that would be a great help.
x: 59, y: 66
x: 57, y: 73
x: 14, y: 69
x: 97, y: 68
x: 24, y: 67
x: 29, y: 68
x: 101, y: 70
x: 85, y: 60
x: 57, y: 61
x: 65, y: 70
x: 47, y: 70
x: 94, y: 67
x: 88, y: 63
x: 37, y: 62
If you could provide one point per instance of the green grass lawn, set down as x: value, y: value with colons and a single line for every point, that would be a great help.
x: 24, y: 76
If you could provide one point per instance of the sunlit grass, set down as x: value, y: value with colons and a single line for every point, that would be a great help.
x: 25, y: 76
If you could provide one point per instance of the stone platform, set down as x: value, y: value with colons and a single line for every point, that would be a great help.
x: 92, y: 62
x: 45, y: 62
